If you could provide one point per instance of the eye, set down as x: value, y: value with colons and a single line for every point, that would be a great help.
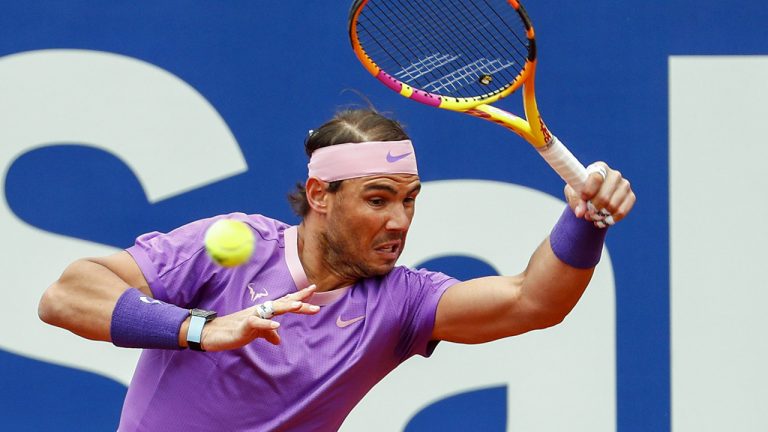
x: 410, y: 201
x: 376, y: 202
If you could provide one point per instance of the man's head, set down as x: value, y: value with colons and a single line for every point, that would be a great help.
x: 349, y: 126
x: 359, y: 199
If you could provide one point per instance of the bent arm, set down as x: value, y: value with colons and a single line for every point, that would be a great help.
x: 486, y: 309
x: 83, y: 301
x: 83, y: 298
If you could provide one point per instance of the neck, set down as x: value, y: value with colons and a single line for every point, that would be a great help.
x: 313, y: 260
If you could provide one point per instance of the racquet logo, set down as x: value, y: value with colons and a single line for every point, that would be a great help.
x: 545, y: 132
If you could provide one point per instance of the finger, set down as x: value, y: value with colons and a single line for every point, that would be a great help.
x: 257, y: 324
x: 621, y: 202
x: 601, y: 224
x: 284, y: 306
x: 254, y: 327
x: 265, y: 310
x: 622, y: 193
x: 294, y: 306
x: 272, y: 337
x: 605, y: 223
x: 596, y: 175
x: 626, y: 206
x: 303, y: 294
x: 602, y: 198
x: 307, y: 309
x: 593, y: 214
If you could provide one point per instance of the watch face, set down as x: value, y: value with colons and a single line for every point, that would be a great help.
x: 208, y: 315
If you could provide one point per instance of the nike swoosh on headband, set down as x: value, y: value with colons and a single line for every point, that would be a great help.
x: 394, y: 158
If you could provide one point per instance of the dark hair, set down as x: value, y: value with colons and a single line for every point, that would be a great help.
x: 348, y: 126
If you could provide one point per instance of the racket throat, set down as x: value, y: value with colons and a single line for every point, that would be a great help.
x: 542, y: 137
x: 502, y: 118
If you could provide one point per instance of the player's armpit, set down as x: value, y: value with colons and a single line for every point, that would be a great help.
x: 483, y: 310
x: 125, y: 267
x: 490, y: 308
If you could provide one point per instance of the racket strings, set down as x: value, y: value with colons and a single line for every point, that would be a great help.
x: 490, y: 39
x: 430, y: 63
x: 452, y: 48
x: 421, y: 65
x: 427, y: 65
x: 439, y: 79
x: 387, y: 35
x: 519, y: 41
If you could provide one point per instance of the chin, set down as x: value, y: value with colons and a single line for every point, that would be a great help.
x: 386, y: 268
x: 380, y: 270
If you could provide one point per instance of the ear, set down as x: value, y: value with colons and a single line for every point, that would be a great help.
x: 317, y: 195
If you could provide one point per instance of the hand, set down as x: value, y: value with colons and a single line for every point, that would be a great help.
x: 611, y: 193
x: 241, y: 328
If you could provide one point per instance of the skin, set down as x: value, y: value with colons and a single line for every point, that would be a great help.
x: 356, y: 232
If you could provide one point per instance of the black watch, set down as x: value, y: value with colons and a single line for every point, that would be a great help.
x: 195, y: 332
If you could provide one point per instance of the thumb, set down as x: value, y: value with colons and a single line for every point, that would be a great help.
x: 577, y: 205
x: 264, y: 328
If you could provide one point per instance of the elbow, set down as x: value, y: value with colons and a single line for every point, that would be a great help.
x: 549, y: 317
x: 48, y: 310
x: 551, y: 320
x: 53, y: 304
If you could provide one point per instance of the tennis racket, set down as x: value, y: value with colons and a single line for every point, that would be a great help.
x: 462, y: 55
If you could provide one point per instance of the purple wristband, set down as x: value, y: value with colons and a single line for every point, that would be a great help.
x: 577, y: 242
x: 139, y: 321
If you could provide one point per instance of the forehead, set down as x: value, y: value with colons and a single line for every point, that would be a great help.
x: 397, y: 182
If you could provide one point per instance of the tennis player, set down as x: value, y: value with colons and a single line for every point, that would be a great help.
x: 292, y: 340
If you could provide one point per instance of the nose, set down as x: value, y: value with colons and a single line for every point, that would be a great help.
x: 399, y: 219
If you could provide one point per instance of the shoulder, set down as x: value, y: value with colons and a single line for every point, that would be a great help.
x: 187, y: 240
x: 267, y: 228
x: 417, y: 278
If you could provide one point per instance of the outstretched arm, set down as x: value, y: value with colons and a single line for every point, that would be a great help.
x: 490, y: 308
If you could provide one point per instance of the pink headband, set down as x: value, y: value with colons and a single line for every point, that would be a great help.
x: 346, y: 161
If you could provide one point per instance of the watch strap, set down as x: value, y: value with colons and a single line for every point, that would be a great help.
x: 195, y: 332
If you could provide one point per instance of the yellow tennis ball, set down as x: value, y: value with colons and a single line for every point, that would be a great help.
x: 229, y: 242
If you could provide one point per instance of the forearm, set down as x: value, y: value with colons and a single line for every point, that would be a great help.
x: 108, y: 299
x: 490, y: 308
x: 562, y: 266
x: 82, y: 299
x: 553, y: 286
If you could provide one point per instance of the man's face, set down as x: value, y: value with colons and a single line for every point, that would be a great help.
x: 368, y: 221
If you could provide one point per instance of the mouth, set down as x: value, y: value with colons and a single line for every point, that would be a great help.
x: 389, y: 250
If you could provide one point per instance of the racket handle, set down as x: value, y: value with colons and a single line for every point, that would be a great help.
x: 564, y: 163
x: 573, y: 172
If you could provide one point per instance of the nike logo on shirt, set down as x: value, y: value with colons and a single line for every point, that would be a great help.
x: 341, y: 323
x: 394, y: 158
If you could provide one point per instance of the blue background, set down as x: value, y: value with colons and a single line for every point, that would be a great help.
x: 273, y: 70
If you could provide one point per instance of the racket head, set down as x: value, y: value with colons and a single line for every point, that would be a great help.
x: 450, y: 54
